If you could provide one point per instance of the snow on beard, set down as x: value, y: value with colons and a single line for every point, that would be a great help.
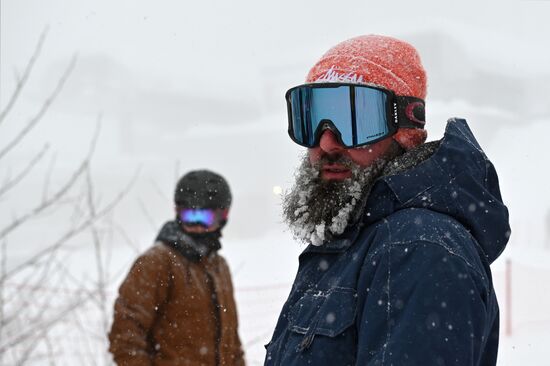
x: 316, y: 210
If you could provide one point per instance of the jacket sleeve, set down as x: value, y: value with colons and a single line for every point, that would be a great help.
x: 141, y: 295
x: 425, y: 305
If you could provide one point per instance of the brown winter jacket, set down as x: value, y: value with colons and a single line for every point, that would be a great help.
x: 167, y: 312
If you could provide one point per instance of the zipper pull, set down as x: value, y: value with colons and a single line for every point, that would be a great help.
x: 308, y: 337
x: 306, y: 342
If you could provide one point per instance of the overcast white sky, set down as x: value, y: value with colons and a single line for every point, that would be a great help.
x: 182, y: 44
x: 184, y: 85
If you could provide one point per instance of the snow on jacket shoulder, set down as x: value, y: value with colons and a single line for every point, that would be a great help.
x: 410, y: 284
x: 165, y: 315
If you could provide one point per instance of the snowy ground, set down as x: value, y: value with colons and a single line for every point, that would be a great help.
x: 530, y: 301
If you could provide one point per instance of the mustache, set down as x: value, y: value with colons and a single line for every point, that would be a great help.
x: 334, y: 159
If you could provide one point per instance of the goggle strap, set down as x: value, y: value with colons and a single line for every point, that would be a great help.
x: 410, y: 112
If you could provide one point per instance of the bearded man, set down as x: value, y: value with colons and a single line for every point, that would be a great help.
x: 400, y: 232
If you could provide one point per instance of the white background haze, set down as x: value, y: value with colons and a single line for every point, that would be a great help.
x: 184, y: 85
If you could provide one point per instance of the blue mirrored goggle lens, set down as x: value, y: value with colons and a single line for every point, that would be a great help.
x: 328, y: 104
x: 358, y: 113
x: 204, y: 217
x: 371, y: 114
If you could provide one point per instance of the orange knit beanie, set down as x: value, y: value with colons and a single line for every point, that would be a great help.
x: 378, y: 61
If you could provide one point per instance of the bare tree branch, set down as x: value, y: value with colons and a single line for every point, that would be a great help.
x: 45, y: 106
x: 111, y: 236
x: 44, y: 327
x: 79, y: 324
x: 58, y: 195
x: 158, y: 190
x: 42, y: 303
x: 71, y: 233
x: 47, y: 203
x: 148, y: 217
x: 25, y: 302
x: 21, y: 81
x: 13, y: 182
x: 35, y: 326
x: 32, y: 313
x: 47, y: 179
x: 56, y: 245
x: 101, y: 275
x: 50, y: 349
x: 127, y: 238
x: 3, y: 264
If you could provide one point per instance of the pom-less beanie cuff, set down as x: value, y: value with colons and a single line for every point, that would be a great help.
x: 373, y: 60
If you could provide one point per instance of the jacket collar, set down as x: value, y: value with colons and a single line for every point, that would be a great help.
x: 453, y: 177
x: 191, y: 247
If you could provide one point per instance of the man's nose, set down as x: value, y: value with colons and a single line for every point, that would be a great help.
x: 329, y: 143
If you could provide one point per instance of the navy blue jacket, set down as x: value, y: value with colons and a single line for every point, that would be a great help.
x: 410, y: 284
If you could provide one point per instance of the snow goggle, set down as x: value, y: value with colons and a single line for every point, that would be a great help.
x: 357, y: 114
x: 206, y: 217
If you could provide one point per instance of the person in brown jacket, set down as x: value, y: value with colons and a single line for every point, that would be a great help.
x: 176, y: 305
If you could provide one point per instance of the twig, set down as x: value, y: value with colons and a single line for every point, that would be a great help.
x: 49, y: 348
x: 37, y: 117
x: 82, y: 330
x: 159, y: 191
x: 148, y: 217
x: 70, y: 233
x: 21, y: 82
x: 127, y: 239
x: 47, y: 179
x: 26, y: 301
x: 60, y: 241
x: 37, y: 327
x: 43, y: 327
x: 12, y: 183
x: 111, y: 235
x: 57, y: 196
x: 3, y: 264
x: 98, y: 254
x: 45, y: 204
x: 35, y: 322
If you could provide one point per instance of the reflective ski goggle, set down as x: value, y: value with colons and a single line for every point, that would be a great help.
x: 357, y: 114
x: 206, y: 217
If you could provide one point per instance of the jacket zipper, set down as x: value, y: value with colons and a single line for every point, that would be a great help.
x: 217, y: 320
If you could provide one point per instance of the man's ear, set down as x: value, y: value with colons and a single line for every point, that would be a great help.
x: 409, y: 138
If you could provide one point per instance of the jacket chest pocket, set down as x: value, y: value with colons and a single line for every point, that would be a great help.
x: 323, y: 313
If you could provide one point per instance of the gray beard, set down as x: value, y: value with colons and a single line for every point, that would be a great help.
x: 316, y: 210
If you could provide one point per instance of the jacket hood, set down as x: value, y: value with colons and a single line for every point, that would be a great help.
x: 457, y: 180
